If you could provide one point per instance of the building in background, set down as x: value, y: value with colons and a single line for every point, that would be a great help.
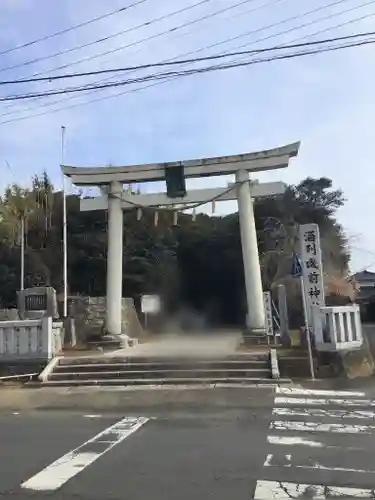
x: 365, y: 285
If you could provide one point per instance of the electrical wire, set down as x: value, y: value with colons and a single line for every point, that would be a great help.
x: 118, y: 94
x: 325, y: 18
x: 71, y: 28
x: 189, y: 23
x: 188, y: 61
x: 278, y: 23
x: 104, y: 39
x: 148, y: 38
x: 169, y: 74
x: 336, y: 2
x: 258, y: 8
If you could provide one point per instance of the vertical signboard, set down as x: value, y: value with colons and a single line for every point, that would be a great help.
x: 267, y: 301
x: 312, y: 270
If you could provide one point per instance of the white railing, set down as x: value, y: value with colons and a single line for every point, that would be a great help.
x: 337, y: 328
x: 33, y: 339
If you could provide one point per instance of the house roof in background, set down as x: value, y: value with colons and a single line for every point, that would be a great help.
x: 364, y: 276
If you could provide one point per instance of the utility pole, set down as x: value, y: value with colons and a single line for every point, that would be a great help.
x: 22, y: 284
x: 65, y: 232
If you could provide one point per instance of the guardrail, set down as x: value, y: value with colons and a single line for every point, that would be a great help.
x: 337, y: 328
x: 30, y: 376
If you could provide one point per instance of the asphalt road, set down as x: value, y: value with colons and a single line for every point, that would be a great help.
x: 289, y: 444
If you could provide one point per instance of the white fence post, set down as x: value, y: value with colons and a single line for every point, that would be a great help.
x: 337, y: 328
x: 31, y: 339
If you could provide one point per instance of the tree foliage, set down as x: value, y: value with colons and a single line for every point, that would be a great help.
x: 198, y: 262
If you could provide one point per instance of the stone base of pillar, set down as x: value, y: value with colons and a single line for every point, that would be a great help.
x: 255, y: 336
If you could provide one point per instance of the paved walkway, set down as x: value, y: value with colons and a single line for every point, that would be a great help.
x: 190, y: 345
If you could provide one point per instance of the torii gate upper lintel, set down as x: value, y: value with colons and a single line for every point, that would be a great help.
x: 243, y: 191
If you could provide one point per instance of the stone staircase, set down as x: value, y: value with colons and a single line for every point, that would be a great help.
x: 121, y: 370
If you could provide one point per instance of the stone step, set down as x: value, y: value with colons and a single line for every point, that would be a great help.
x: 161, y: 374
x: 257, y: 340
x: 130, y: 366
x: 165, y: 381
x: 81, y: 360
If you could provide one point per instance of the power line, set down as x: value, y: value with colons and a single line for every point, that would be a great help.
x: 118, y: 94
x: 189, y: 61
x: 336, y: 2
x: 271, y: 2
x: 103, y: 39
x: 331, y: 16
x: 272, y: 25
x: 122, y: 47
x: 71, y: 28
x: 234, y: 64
x: 35, y: 78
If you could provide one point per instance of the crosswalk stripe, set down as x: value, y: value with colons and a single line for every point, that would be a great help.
x: 265, y: 490
x: 294, y: 440
x: 287, y: 461
x: 317, y: 392
x: 323, y: 401
x: 278, y: 440
x: 59, y: 472
x: 316, y: 422
x: 322, y: 412
x: 290, y: 425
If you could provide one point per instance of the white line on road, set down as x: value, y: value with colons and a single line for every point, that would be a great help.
x: 312, y: 443
x: 321, y: 412
x: 286, y: 462
x: 59, y: 472
x: 323, y: 402
x: 289, y: 425
x: 317, y: 392
x: 294, y: 440
x: 276, y: 490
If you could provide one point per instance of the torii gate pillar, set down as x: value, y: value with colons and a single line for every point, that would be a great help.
x: 114, y: 258
x: 255, y: 319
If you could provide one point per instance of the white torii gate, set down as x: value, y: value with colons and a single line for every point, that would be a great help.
x: 115, y: 199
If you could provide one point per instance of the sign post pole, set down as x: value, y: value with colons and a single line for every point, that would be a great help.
x: 312, y: 284
x: 297, y: 272
x: 307, y: 329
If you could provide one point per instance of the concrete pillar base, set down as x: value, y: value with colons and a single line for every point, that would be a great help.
x: 254, y: 336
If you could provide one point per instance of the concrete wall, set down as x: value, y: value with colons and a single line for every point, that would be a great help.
x: 352, y: 363
x: 9, y: 314
x: 90, y: 316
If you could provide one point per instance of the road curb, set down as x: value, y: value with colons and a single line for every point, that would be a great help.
x: 126, y: 399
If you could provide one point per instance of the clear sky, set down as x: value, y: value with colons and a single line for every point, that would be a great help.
x: 326, y: 101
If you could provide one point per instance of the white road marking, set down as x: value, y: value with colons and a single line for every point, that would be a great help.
x: 289, y: 425
x: 312, y: 443
x: 287, y: 458
x: 294, y: 440
x: 323, y: 402
x: 92, y: 416
x: 276, y: 490
x: 317, y: 392
x: 59, y: 472
x: 321, y: 412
